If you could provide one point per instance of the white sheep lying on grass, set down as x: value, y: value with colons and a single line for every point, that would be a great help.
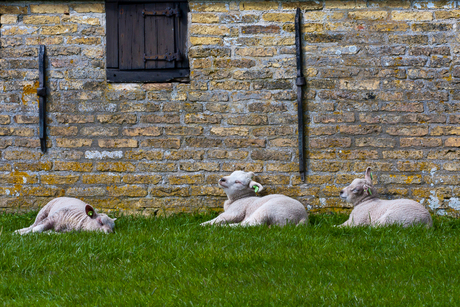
x: 244, y: 208
x: 64, y: 214
x: 370, y: 210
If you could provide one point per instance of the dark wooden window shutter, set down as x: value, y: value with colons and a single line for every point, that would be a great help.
x: 146, y: 41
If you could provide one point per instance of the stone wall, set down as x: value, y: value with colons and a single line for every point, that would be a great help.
x: 382, y: 91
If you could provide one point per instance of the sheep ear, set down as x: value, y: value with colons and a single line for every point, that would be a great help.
x: 367, y: 189
x: 256, y: 186
x: 250, y: 174
x: 90, y: 211
x: 368, y: 175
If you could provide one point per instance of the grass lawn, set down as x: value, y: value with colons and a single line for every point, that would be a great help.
x: 173, y: 262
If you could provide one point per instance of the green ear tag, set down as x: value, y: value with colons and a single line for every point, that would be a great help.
x: 90, y: 213
x: 369, y: 190
x: 256, y: 188
x: 371, y: 177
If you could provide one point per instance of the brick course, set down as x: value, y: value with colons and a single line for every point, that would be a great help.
x: 381, y: 91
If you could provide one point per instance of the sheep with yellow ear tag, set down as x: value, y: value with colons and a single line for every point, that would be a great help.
x: 245, y: 208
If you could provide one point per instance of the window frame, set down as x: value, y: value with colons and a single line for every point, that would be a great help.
x: 116, y: 75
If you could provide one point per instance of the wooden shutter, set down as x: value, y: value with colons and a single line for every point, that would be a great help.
x: 146, y: 41
x: 159, y: 35
x: 130, y: 36
x: 111, y: 11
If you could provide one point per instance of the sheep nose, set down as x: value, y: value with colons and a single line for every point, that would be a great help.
x: 341, y: 192
x: 222, y: 179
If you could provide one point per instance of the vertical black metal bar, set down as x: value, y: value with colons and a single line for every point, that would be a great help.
x: 300, y: 81
x: 41, y: 92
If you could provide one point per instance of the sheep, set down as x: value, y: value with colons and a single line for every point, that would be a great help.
x: 65, y: 214
x: 370, y: 210
x: 244, y: 208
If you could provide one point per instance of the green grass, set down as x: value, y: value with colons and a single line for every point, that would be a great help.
x: 174, y: 262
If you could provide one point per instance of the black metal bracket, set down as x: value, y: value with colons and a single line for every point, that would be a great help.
x: 168, y: 12
x: 41, y: 92
x: 300, y: 81
x: 164, y: 57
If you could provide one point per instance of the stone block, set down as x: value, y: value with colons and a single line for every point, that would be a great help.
x: 119, y: 167
x: 127, y: 191
x: 257, y: 29
x: 330, y: 142
x: 420, y: 142
x: 208, y: 7
x: 100, y: 179
x: 13, y: 9
x: 49, y: 8
x: 368, y: 15
x: 199, y: 166
x: 171, y: 143
x: 73, y: 166
x: 40, y: 19
x: 73, y: 143
x: 58, y: 29
x: 8, y: 19
x: 412, y: 15
x: 345, y: 4
x: 88, y: 8
x: 303, y: 5
x: 259, y: 6
x: 59, y: 180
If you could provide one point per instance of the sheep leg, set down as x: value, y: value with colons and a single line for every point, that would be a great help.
x: 251, y: 222
x: 233, y: 225
x: 24, y: 230
x: 257, y: 218
x: 302, y: 222
x: 46, y: 224
x: 43, y: 226
x: 391, y: 218
x: 208, y: 222
x: 42, y: 215
x: 347, y: 223
x: 224, y: 218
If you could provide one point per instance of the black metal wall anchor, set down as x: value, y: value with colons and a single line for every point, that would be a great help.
x: 41, y: 92
x: 300, y: 81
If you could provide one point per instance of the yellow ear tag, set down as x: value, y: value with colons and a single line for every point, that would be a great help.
x: 256, y: 188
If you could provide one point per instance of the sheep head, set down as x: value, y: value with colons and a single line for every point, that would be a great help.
x: 99, y: 221
x: 240, y: 184
x: 359, y: 189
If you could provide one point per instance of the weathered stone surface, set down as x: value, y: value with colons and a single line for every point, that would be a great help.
x: 382, y: 90
x: 88, y: 8
x: 13, y: 9
x: 58, y: 29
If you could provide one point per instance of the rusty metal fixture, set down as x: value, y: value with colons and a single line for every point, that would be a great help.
x: 300, y: 81
x: 41, y: 92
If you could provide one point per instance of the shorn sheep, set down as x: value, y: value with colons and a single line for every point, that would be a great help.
x: 370, y: 210
x: 64, y: 214
x: 244, y: 208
